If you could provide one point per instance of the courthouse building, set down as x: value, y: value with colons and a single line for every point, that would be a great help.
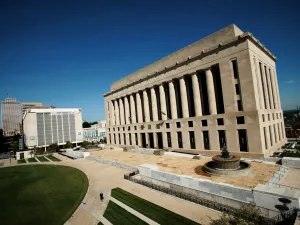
x: 220, y: 89
x: 43, y: 127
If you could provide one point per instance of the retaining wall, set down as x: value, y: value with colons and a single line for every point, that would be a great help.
x: 291, y: 162
x: 207, y: 186
x: 112, y: 163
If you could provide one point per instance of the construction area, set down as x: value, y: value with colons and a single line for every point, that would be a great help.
x: 261, y: 172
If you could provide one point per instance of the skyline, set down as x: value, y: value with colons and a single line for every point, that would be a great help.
x: 86, y: 47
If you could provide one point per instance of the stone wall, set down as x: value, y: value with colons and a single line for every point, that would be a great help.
x: 112, y: 163
x: 291, y: 162
x: 206, y: 186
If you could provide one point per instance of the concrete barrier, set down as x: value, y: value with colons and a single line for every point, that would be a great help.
x: 75, y: 154
x: 112, y: 163
x: 203, y: 185
x: 291, y: 162
x: 145, y: 151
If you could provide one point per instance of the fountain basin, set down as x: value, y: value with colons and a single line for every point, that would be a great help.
x: 230, y: 163
x: 243, y: 169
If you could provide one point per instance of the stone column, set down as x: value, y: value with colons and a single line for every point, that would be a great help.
x: 122, y: 116
x: 267, y: 130
x: 277, y: 89
x: 117, y: 113
x: 154, y: 104
x: 272, y: 135
x: 173, y: 100
x: 265, y: 87
x: 274, y: 88
x: 139, y: 108
x: 260, y: 87
x: 277, y: 132
x: 163, y: 104
x: 270, y: 89
x: 146, y: 106
x: 132, y: 108
x: 112, y: 113
x: 127, y: 114
x: 184, y: 100
x: 196, y: 95
x: 211, y: 92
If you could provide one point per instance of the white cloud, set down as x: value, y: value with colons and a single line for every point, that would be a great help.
x: 289, y: 82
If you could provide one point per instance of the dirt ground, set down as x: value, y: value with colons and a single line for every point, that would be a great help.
x: 261, y: 173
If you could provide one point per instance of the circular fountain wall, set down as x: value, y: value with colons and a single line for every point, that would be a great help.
x: 227, y: 165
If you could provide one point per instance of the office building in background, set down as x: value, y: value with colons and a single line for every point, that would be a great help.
x: 33, y: 105
x: 95, y: 133
x: 43, y: 127
x: 11, y: 117
x: 219, y: 90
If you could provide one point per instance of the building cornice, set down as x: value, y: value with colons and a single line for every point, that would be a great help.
x: 221, y: 46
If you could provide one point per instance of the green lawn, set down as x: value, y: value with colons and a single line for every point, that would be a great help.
x: 21, y: 161
x: 42, y: 159
x: 31, y: 160
x: 40, y: 194
x: 52, y: 158
x: 117, y: 215
x: 150, y: 210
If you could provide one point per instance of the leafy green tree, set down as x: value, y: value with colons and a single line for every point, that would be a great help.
x: 86, y: 125
x: 68, y: 145
x: 246, y: 215
x: 84, y: 144
x: 53, y: 147
x: 15, y: 145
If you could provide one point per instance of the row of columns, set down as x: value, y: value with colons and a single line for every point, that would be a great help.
x: 268, y: 87
x: 127, y: 112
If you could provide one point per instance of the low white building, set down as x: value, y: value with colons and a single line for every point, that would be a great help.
x: 95, y: 133
x: 43, y: 127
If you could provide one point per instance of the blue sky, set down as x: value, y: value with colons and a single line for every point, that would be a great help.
x: 67, y: 53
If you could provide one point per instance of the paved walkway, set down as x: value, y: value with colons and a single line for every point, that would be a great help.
x: 291, y: 178
x: 103, y: 178
x: 132, y: 211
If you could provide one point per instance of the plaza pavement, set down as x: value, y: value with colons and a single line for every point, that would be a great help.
x: 103, y: 178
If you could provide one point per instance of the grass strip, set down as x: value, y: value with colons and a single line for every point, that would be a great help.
x: 52, y: 158
x: 152, y: 211
x: 21, y: 161
x: 32, y: 160
x: 117, y: 215
x: 42, y: 159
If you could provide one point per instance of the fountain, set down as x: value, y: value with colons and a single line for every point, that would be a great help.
x: 227, y: 165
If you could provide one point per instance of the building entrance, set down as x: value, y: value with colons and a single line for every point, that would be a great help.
x: 143, y: 138
x: 151, y: 140
x: 159, y: 140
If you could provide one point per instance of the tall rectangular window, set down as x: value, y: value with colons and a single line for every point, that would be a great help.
x: 169, y: 139
x: 263, y: 84
x: 179, y: 138
x: 206, y: 140
x: 222, y: 138
x: 235, y: 69
x: 272, y: 138
x: 243, y: 140
x: 266, y: 145
x: 275, y: 134
x: 268, y: 88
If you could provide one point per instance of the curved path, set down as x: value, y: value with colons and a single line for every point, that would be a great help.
x: 103, y: 178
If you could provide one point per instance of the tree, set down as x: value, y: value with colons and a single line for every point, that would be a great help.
x: 53, y: 147
x: 246, y: 215
x: 86, y: 125
x: 84, y: 144
x: 68, y: 145
x: 15, y: 145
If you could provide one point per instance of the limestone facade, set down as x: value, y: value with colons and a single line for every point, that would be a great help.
x: 220, y: 89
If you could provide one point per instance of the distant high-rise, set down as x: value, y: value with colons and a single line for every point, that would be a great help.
x: 34, y: 105
x: 11, y: 116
